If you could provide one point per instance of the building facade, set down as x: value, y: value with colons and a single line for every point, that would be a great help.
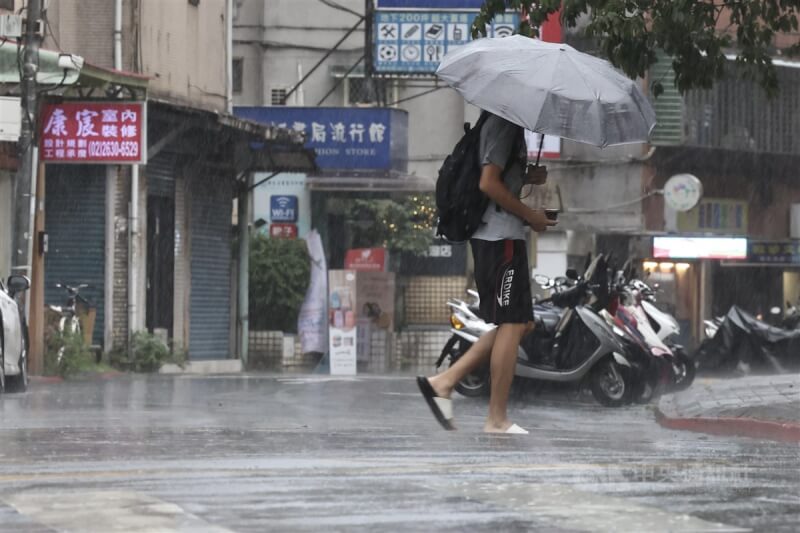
x: 278, y: 44
x: 154, y: 239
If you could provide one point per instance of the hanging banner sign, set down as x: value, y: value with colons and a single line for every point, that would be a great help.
x: 93, y: 132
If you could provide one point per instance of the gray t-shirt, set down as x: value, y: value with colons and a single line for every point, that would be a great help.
x: 498, y: 138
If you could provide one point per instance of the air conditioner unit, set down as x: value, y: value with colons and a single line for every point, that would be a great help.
x: 10, y: 118
x: 794, y: 225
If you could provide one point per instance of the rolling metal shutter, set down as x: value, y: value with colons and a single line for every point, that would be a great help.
x: 75, y: 220
x: 160, y: 172
x: 210, y: 234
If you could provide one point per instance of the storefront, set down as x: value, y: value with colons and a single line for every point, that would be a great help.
x: 687, y: 270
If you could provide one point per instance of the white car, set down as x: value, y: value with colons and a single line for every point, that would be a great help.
x: 13, y: 337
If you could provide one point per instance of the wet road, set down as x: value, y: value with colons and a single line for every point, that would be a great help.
x: 267, y: 453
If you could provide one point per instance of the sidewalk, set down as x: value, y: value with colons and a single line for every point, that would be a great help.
x: 766, y: 407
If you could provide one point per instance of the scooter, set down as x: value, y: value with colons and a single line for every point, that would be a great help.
x: 570, y: 344
x: 661, y: 330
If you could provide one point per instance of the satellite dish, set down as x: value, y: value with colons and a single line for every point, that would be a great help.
x: 683, y: 192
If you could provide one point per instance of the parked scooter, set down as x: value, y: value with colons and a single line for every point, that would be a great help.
x: 570, y: 344
x: 660, y: 330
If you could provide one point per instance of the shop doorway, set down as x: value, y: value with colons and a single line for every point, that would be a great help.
x: 160, y: 263
x: 754, y: 289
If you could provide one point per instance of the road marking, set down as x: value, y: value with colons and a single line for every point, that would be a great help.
x: 104, y: 511
x: 566, y: 507
x: 572, y: 509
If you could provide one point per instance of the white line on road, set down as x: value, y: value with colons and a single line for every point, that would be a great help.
x: 104, y: 511
x: 572, y: 509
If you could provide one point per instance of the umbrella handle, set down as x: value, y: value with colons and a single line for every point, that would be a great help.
x: 541, y: 144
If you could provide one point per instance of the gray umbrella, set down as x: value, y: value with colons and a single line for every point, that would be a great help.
x: 551, y: 89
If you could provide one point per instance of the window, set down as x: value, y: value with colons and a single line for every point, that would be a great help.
x: 278, y: 96
x: 238, y: 74
x: 358, y: 93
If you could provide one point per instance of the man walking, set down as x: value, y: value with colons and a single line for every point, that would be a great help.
x: 501, y: 275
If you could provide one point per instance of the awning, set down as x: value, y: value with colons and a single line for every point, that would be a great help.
x: 49, y: 72
x: 253, y: 147
x: 80, y: 73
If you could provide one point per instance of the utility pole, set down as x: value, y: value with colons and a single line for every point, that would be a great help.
x: 24, y: 190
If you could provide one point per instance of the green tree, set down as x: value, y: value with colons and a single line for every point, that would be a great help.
x: 400, y: 225
x: 280, y: 271
x: 630, y: 32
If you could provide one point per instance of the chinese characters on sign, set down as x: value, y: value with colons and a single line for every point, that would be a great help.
x: 775, y: 252
x: 283, y: 230
x: 342, y: 137
x: 93, y: 132
x: 417, y: 41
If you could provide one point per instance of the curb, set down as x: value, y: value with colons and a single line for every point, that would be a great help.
x: 46, y: 379
x: 740, y: 427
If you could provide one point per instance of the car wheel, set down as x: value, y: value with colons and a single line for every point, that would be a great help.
x: 19, y: 383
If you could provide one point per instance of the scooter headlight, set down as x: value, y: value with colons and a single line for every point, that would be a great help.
x: 711, y: 331
x: 456, y: 322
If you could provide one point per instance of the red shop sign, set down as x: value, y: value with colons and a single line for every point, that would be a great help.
x: 283, y: 231
x: 366, y: 259
x: 93, y: 132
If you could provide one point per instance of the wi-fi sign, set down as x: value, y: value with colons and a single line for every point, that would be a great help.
x: 283, y: 208
x: 503, y: 30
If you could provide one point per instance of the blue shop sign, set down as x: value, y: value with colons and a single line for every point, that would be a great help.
x: 283, y: 208
x: 416, y: 41
x: 463, y: 5
x: 344, y: 138
x: 774, y: 252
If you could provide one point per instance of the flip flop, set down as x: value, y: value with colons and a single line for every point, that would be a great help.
x: 516, y: 430
x: 442, y: 408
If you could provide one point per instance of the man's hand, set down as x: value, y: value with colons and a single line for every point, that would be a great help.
x: 535, y: 175
x: 538, y: 220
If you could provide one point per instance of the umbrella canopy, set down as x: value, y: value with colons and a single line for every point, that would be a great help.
x: 551, y: 89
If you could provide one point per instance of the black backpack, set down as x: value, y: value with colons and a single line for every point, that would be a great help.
x: 460, y: 204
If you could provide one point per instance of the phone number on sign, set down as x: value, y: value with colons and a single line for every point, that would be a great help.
x: 113, y: 149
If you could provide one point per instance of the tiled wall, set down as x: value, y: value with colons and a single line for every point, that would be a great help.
x: 410, y: 351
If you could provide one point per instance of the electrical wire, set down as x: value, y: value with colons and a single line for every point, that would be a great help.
x: 339, y: 7
x: 418, y: 95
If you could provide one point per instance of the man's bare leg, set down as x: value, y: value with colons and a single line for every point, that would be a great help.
x: 477, y: 355
x: 503, y: 364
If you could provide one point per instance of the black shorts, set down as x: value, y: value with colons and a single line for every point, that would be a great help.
x: 503, y: 280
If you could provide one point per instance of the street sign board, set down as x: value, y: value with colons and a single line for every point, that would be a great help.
x: 283, y: 230
x: 415, y: 42
x: 93, y: 132
x: 283, y: 208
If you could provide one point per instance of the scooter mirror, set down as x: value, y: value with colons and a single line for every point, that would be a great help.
x: 572, y: 274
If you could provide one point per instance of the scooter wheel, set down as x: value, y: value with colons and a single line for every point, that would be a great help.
x: 475, y: 384
x: 684, y: 370
x: 645, y: 389
x: 610, y: 383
